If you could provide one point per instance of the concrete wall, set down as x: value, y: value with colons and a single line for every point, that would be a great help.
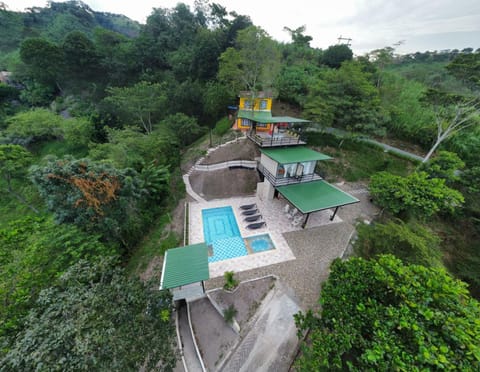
x: 269, y: 164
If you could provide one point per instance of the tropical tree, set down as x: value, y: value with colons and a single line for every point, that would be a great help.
x: 96, y: 318
x: 142, y: 104
x: 34, y: 251
x: 35, y: 125
x: 14, y: 162
x: 43, y: 59
x: 453, y: 118
x: 417, y: 194
x: 184, y: 127
x: 381, y: 315
x: 446, y: 165
x: 96, y: 197
x: 252, y: 64
x: 466, y: 67
x: 335, y: 55
x: 345, y: 98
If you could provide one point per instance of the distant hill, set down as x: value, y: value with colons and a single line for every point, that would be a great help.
x: 56, y: 20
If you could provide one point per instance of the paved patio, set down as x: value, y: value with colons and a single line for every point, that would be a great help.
x: 277, y: 223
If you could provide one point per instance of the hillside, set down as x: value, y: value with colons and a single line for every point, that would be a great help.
x: 56, y: 20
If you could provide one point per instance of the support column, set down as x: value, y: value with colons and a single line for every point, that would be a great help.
x: 334, y: 213
x: 306, y: 220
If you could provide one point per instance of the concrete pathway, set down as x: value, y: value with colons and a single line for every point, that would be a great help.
x: 189, y: 353
x: 272, y: 341
x: 363, y: 138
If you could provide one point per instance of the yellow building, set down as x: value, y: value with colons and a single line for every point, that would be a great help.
x: 254, y: 113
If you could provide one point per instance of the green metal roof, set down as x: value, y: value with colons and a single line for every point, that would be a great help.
x: 266, y: 117
x: 258, y: 116
x: 185, y: 265
x: 294, y: 154
x: 315, y: 196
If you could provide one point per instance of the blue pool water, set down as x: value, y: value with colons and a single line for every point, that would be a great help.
x: 221, y: 232
x: 260, y: 243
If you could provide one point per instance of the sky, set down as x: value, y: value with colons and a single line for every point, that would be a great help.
x: 371, y: 24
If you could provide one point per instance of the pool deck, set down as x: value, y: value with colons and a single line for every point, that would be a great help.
x: 277, y: 224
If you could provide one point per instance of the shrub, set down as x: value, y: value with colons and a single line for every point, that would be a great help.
x: 222, y: 127
x: 230, y: 281
x: 229, y: 314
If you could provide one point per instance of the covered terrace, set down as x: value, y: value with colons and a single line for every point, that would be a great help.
x: 184, y: 270
x: 275, y: 130
x: 310, y: 197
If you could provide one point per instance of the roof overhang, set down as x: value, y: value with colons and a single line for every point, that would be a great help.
x: 315, y: 196
x: 185, y: 265
x: 294, y: 154
x: 267, y: 118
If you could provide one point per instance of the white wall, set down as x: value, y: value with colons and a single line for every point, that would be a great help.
x: 269, y: 164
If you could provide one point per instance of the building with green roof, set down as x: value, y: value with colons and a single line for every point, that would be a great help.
x: 184, y: 270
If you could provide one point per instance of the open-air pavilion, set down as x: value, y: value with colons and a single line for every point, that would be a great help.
x: 184, y: 270
x: 309, y: 197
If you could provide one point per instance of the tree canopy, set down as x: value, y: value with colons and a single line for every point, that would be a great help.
x: 416, y: 194
x: 96, y: 318
x: 382, y: 315
x: 252, y: 64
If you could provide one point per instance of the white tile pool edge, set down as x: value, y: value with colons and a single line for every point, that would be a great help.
x: 281, y: 253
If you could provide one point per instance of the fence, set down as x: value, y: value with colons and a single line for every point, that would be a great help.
x: 252, y: 164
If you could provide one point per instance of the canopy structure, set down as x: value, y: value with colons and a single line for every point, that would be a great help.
x: 185, y: 265
x: 295, y: 154
x: 315, y: 196
x: 267, y: 118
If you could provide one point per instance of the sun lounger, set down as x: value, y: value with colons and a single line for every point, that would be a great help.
x: 292, y: 214
x: 253, y: 218
x: 297, y: 220
x: 256, y: 225
x: 250, y: 212
x: 248, y: 206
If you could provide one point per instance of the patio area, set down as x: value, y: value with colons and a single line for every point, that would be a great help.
x: 277, y: 223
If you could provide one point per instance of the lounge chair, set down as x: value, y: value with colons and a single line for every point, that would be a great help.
x: 292, y: 214
x: 297, y: 220
x: 253, y: 218
x: 256, y: 225
x: 250, y: 212
x: 248, y: 206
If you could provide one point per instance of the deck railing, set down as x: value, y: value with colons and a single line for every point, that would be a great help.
x: 272, y: 141
x: 282, y: 181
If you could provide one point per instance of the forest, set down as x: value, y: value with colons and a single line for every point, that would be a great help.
x: 96, y: 112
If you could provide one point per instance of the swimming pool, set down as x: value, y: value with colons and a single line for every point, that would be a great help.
x: 222, y: 235
x: 260, y: 243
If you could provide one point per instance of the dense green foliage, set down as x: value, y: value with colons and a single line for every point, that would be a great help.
x: 115, y: 105
x: 345, y: 98
x: 95, y: 197
x: 382, y: 315
x: 416, y: 195
x: 33, y: 252
x: 96, y: 318
x: 411, y: 242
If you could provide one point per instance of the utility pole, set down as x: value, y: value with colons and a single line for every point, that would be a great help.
x: 347, y: 39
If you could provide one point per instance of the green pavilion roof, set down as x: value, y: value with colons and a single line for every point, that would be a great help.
x: 315, y: 196
x: 266, y: 117
x: 294, y: 154
x: 185, y: 265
